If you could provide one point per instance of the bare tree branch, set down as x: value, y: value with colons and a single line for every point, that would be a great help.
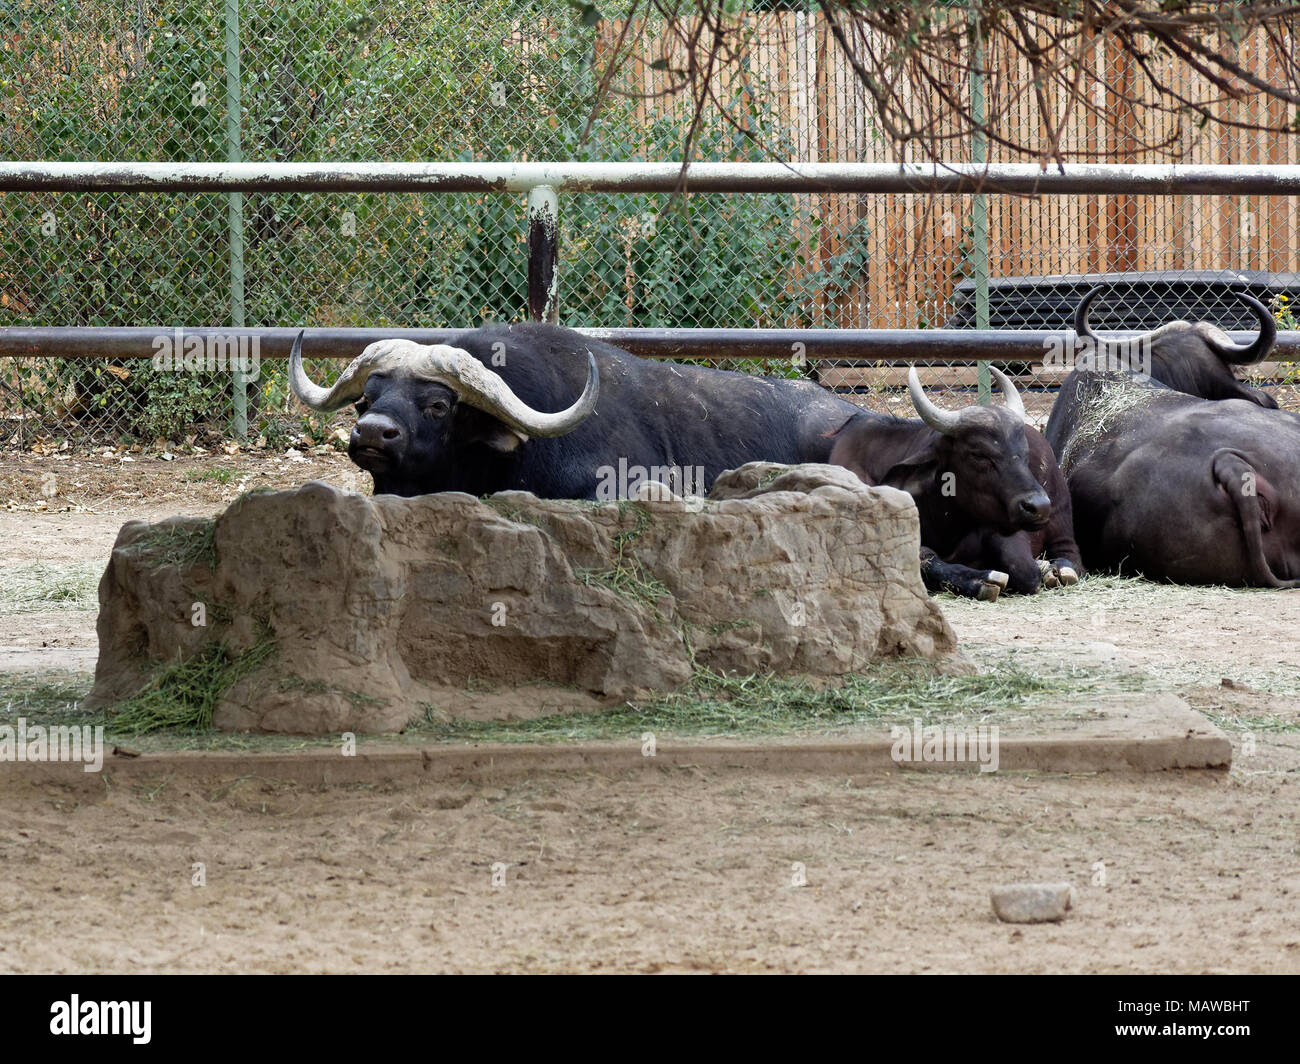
x: 914, y: 61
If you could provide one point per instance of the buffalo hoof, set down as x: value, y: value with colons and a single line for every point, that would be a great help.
x: 994, y: 584
x: 1058, y: 574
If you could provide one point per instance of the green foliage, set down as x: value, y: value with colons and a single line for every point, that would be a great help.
x: 1283, y: 311
x: 218, y: 474
x: 348, y: 80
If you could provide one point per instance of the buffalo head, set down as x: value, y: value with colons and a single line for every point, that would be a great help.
x: 1191, y: 357
x: 982, y: 459
x: 427, y: 412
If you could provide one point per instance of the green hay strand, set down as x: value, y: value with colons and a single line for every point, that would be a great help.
x: 183, y: 545
x: 41, y: 587
x: 184, y: 695
x: 713, y: 704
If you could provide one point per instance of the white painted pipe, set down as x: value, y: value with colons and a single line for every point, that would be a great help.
x: 1018, y: 178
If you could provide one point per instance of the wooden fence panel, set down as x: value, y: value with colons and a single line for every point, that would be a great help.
x: 914, y: 251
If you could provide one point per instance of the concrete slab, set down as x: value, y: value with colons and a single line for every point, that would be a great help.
x: 1127, y: 733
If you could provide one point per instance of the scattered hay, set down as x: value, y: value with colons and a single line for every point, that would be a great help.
x: 1236, y: 724
x: 184, y: 694
x: 53, y: 697
x: 1104, y: 398
x: 191, y: 543
x: 772, y: 476
x: 1099, y: 610
x: 42, y: 588
x: 716, y: 705
x: 628, y: 576
x: 515, y: 514
x: 629, y: 579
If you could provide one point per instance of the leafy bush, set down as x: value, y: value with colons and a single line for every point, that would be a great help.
x: 346, y: 80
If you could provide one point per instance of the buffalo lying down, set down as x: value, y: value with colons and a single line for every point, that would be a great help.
x: 1190, y: 358
x: 1188, y: 476
x: 990, y: 496
x: 1181, y: 488
x: 471, y: 417
x: 1196, y: 358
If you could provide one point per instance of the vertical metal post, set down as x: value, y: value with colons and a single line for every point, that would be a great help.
x: 980, y: 204
x: 543, y: 253
x: 235, y: 212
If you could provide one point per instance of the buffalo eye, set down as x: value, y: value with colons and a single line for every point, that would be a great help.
x: 438, y: 408
x: 361, y: 406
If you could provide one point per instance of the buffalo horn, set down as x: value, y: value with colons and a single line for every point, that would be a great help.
x: 460, y: 371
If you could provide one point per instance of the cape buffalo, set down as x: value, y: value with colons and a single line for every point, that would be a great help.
x: 1185, y: 475
x: 470, y: 416
x: 1196, y: 358
x: 1181, y: 488
x: 990, y: 496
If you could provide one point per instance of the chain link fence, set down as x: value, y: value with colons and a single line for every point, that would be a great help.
x: 343, y: 80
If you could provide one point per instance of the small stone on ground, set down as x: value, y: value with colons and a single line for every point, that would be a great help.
x: 1031, y: 903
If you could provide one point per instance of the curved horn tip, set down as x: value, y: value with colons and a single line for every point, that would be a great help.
x: 1010, y: 394
x: 1257, y: 349
x: 1262, y: 312
x: 485, y: 389
x: 592, y: 386
x: 307, y: 391
x: 313, y: 395
x: 942, y: 421
x: 583, y: 407
x: 1081, y: 326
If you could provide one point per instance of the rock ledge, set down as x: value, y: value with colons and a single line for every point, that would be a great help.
x: 383, y: 608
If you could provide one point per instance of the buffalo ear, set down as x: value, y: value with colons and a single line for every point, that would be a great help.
x: 503, y: 438
x: 475, y: 426
x: 915, y: 478
x: 915, y: 472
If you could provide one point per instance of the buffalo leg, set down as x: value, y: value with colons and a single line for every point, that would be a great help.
x: 1064, y: 564
x: 1014, y: 555
x: 1247, y: 490
x: 1055, y: 540
x: 960, y: 580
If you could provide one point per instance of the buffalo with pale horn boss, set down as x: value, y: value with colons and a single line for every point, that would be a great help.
x: 475, y: 415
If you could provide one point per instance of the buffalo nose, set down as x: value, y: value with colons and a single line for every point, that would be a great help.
x: 376, y: 430
x: 1036, y: 507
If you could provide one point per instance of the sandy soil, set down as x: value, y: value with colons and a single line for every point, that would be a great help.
x: 63, y: 508
x: 657, y: 870
x: 101, y: 490
x: 653, y: 872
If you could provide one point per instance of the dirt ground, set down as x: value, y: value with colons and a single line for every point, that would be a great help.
x: 651, y: 872
x: 661, y: 870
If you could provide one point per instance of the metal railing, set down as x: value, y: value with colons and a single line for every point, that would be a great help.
x: 845, y: 241
x: 545, y: 183
x: 921, y: 346
x: 1140, y: 179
